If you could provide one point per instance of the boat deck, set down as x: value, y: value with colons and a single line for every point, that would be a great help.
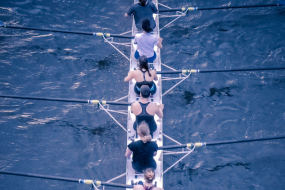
x: 132, y: 177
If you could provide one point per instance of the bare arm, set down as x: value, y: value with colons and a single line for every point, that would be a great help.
x: 128, y: 153
x: 159, y: 44
x: 159, y: 111
x: 129, y: 77
x: 155, y: 76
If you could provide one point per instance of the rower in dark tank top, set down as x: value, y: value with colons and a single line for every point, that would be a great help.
x: 143, y: 76
x: 145, y: 110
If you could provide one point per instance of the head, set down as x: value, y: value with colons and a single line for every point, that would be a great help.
x: 145, y: 91
x: 149, y: 175
x: 143, y: 62
x: 146, y: 25
x: 143, y: 2
x: 143, y: 129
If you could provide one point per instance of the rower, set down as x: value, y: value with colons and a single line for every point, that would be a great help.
x: 143, y: 150
x: 146, y: 41
x: 149, y: 177
x: 142, y: 10
x: 143, y: 76
x: 145, y: 110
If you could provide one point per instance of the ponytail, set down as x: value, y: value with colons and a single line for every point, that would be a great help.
x: 144, y: 132
x: 143, y: 64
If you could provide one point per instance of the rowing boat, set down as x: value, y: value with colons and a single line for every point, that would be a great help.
x: 131, y: 176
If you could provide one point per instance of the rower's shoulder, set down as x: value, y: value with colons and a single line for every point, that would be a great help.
x: 152, y: 71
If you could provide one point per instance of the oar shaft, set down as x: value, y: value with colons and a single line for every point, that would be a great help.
x: 169, y: 10
x: 200, y: 144
x: 217, y: 8
x: 116, y: 185
x: 50, y: 30
x: 86, y: 181
x: 47, y: 99
x: 243, y: 141
x: 40, y: 176
x: 68, y: 100
x: 169, y: 72
x: 172, y: 147
x: 117, y: 103
x: 237, y: 70
x: 238, y: 7
x: 121, y: 36
x: 69, y: 32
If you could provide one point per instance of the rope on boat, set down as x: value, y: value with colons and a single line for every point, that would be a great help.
x: 180, y: 159
x: 112, y: 117
x: 170, y: 68
x: 116, y: 48
x: 183, y: 14
x: 121, y: 98
x: 119, y: 176
x: 118, y: 111
x: 176, y: 84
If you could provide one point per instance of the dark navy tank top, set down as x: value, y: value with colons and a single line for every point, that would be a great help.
x: 144, y: 116
x: 144, y: 82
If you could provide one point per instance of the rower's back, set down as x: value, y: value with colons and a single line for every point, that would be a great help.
x: 145, y: 110
x: 143, y: 10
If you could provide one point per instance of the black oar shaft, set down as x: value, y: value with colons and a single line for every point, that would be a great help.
x: 117, y: 103
x: 217, y: 8
x: 218, y: 71
x: 199, y: 144
x: 121, y: 36
x: 50, y: 30
x: 169, y: 72
x: 169, y: 10
x: 86, y: 181
x: 68, y: 100
x: 172, y: 147
x: 47, y: 99
x: 70, y: 32
x: 237, y: 70
x: 243, y: 141
x: 238, y: 7
x: 40, y: 176
x: 116, y: 185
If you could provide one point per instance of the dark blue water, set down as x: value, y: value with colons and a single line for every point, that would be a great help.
x: 81, y: 141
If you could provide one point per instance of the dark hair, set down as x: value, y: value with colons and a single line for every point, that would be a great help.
x: 146, y: 25
x: 145, y: 91
x: 143, y: 2
x: 143, y: 64
x: 145, y: 175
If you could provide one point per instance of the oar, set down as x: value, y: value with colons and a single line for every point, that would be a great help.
x: 217, y: 71
x: 85, y: 181
x: 68, y: 32
x: 199, y: 144
x: 69, y: 100
x: 215, y: 8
